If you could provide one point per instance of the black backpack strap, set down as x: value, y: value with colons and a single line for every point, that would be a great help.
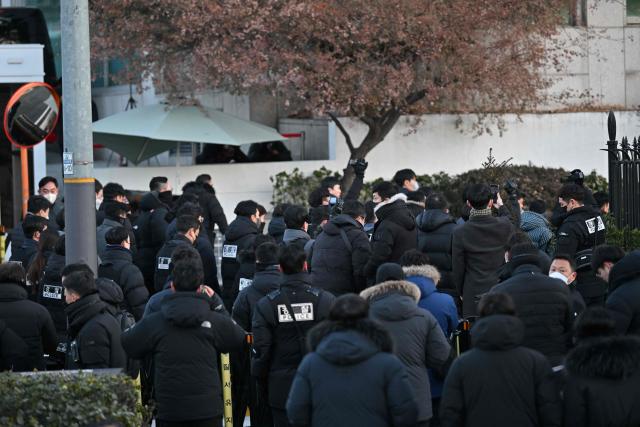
x: 301, y: 337
x: 346, y: 241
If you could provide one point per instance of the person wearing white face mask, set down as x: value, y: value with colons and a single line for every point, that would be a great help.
x: 48, y: 188
x: 563, y: 268
x: 406, y: 180
x: 99, y: 194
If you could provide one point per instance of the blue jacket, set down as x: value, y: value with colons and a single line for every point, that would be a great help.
x: 358, y: 366
x: 437, y: 303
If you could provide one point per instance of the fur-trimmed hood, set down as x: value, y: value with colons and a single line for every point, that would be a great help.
x: 612, y: 358
x: 399, y: 196
x: 347, y: 344
x: 428, y: 271
x: 392, y: 286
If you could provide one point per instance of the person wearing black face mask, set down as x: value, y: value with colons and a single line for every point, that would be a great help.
x: 115, y: 216
x: 161, y: 185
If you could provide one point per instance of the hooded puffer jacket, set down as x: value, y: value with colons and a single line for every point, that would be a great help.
x: 150, y: 228
x: 357, y: 364
x: 394, y: 234
x: 435, y: 231
x: 624, y: 294
x: 184, y: 339
x: 336, y: 267
x: 420, y: 343
x: 499, y: 382
x: 603, y: 382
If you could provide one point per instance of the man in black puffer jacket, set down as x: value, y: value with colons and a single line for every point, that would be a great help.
x: 213, y: 212
x: 394, y: 233
x: 341, y: 251
x: 623, y: 301
x: 184, y: 339
x: 499, y: 382
x: 188, y: 229
x: 27, y: 319
x: 603, y: 374
x: 239, y: 236
x: 94, y: 334
x: 150, y: 228
x: 246, y: 390
x: 435, y: 235
x: 582, y: 228
x: 51, y: 297
x: 542, y: 303
x: 117, y: 266
x: 279, y: 337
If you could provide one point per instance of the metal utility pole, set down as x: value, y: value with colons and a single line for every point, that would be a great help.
x: 79, y: 187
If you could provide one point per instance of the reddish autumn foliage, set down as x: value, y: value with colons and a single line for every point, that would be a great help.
x: 373, y: 59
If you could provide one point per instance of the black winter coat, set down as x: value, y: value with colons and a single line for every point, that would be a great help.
x: 296, y: 238
x: 14, y: 352
x: 435, y: 237
x: 543, y: 305
x: 602, y: 383
x: 25, y: 253
x: 278, y: 341
x: 478, y: 252
x: 205, y: 248
x: 239, y: 237
x: 30, y: 321
x: 16, y: 236
x: 246, y: 271
x: 117, y: 266
x: 357, y: 365
x: 212, y: 211
x: 393, y: 235
x: 51, y: 292
x: 581, y: 229
x: 150, y: 228
x: 419, y: 340
x: 264, y: 282
x: 558, y: 214
x: 499, y: 382
x: 94, y: 336
x: 334, y: 266
x: 623, y: 301
x: 163, y: 260
x: 184, y: 339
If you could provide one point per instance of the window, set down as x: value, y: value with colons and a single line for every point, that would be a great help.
x: 633, y: 8
x: 105, y: 74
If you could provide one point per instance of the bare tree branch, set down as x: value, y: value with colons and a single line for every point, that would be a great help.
x: 346, y: 135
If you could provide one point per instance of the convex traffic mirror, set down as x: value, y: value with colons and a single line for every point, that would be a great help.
x: 31, y: 114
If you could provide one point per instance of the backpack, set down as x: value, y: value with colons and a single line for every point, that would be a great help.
x: 126, y: 321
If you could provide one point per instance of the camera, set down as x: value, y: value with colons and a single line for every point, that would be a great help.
x: 511, y: 187
x: 358, y: 162
x: 495, y: 189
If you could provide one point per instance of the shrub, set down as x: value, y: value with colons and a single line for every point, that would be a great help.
x: 295, y: 187
x: 68, y: 399
x: 536, y: 182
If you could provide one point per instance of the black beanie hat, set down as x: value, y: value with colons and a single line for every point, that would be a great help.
x: 389, y: 271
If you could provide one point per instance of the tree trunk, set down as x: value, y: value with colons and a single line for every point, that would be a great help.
x: 379, y: 128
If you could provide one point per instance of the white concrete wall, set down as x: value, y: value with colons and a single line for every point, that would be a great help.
x: 570, y: 140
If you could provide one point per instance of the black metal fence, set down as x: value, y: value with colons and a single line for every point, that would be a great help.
x: 624, y: 178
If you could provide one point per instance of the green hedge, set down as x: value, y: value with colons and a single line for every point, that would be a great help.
x: 536, y: 182
x: 66, y: 399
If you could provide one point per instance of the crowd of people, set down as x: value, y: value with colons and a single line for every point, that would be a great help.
x: 342, y: 313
